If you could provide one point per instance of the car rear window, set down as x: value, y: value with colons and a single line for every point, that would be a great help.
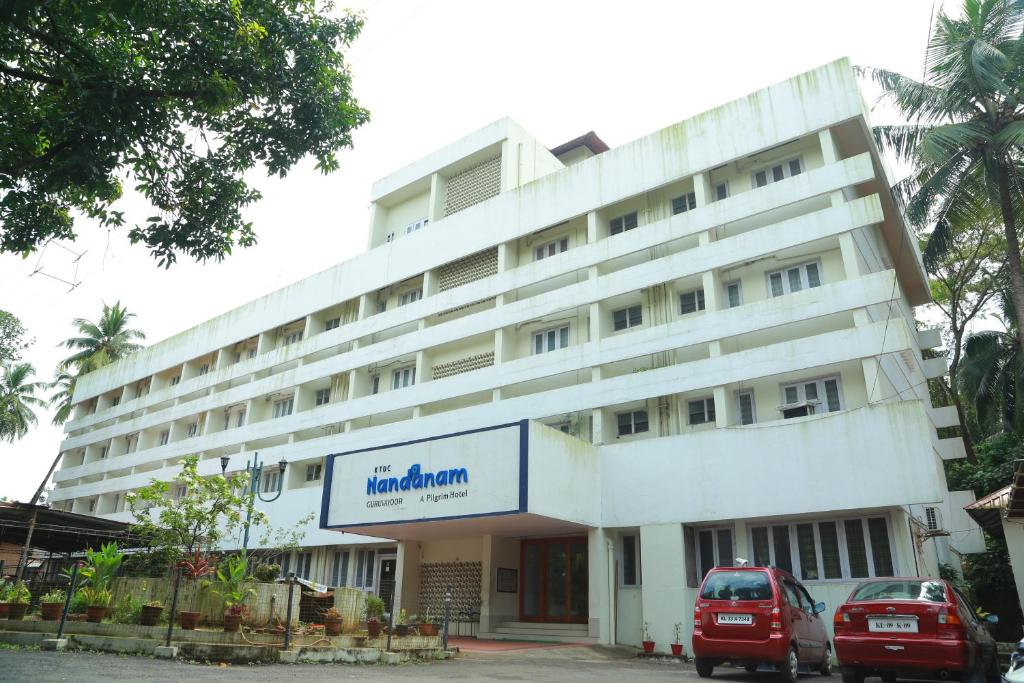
x: 926, y: 591
x: 737, y: 586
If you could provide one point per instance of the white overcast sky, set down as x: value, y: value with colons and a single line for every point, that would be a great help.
x: 431, y: 71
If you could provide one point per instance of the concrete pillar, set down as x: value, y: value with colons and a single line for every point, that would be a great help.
x: 502, y: 345
x: 663, y: 582
x: 702, y: 189
x: 438, y: 192
x: 724, y: 408
x: 592, y: 227
x: 487, y: 576
x: 1014, y: 531
x: 396, y: 602
x: 848, y: 248
x: 872, y: 385
x: 429, y: 283
x: 601, y: 587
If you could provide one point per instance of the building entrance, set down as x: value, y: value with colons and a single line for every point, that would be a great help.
x: 553, y: 579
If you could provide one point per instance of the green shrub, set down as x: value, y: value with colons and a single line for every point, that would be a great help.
x: 127, y: 611
x: 267, y: 573
x: 79, y: 602
x: 55, y: 595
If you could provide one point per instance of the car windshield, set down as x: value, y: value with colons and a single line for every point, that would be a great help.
x: 737, y: 586
x: 927, y: 591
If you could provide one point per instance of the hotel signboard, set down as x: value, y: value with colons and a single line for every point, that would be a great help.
x: 474, y: 473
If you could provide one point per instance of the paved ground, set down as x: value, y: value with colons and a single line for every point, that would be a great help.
x: 544, y: 665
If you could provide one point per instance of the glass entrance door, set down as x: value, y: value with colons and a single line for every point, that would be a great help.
x: 553, y: 580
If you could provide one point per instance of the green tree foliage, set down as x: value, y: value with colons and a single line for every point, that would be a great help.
x: 990, y: 375
x: 13, y: 339
x: 17, y: 400
x: 966, y: 128
x: 994, y: 469
x: 180, y: 98
x: 63, y: 388
x: 103, y: 342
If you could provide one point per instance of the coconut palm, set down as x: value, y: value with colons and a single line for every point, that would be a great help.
x: 966, y: 128
x: 101, y: 343
x: 17, y: 400
x: 991, y: 372
x: 63, y: 388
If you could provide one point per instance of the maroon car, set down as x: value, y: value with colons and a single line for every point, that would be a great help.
x: 912, y: 626
x: 750, y: 616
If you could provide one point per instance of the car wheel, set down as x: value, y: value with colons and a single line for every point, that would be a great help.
x: 750, y: 668
x: 826, y: 662
x: 704, y: 668
x: 790, y: 668
x: 852, y: 675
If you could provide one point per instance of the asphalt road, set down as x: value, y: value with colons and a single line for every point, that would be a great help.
x: 555, y: 666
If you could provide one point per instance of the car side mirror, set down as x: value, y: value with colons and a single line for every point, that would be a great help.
x: 819, y: 608
x: 992, y: 619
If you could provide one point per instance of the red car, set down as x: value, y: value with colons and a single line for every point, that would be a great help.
x: 917, y: 626
x: 751, y: 616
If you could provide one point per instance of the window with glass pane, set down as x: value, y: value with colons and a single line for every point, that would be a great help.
x: 550, y: 340
x: 630, y: 560
x: 734, y: 294
x: 794, y: 167
x: 745, y: 405
x: 762, y: 551
x: 775, y: 282
x: 403, y: 378
x: 627, y: 317
x: 795, y: 283
x: 685, y: 203
x: 878, y: 533
x: 804, y: 276
x: 340, y: 574
x: 691, y: 302
x: 702, y: 411
x: 831, y: 564
x: 807, y: 552
x: 832, y: 394
x: 633, y: 422
x: 323, y: 396
x: 725, y: 555
x: 721, y: 191
x: 706, y: 540
x: 855, y: 548
x: 623, y: 223
x: 551, y: 248
x: 780, y: 543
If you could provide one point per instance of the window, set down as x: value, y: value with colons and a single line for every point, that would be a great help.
x: 563, y: 427
x: 551, y: 248
x: 410, y: 296
x: 339, y: 574
x: 375, y: 384
x: 165, y: 436
x: 332, y: 324
x: 204, y: 368
x: 691, y: 302
x: 714, y: 549
x: 827, y: 550
x: 252, y: 352
x: 701, y: 411
x: 627, y: 317
x: 270, y: 481
x: 687, y: 202
x: 193, y: 429
x: 175, y: 380
x: 115, y: 401
x: 804, y: 276
x: 303, y: 563
x: 241, y: 418
x: 323, y: 396
x: 227, y: 420
x: 413, y: 227
x: 721, y: 191
x: 364, y: 569
x: 776, y: 172
x: 404, y: 377
x: 807, y: 398
x: 180, y: 491
x: 734, y: 294
x: 284, y: 406
x: 931, y: 516
x: 313, y: 472
x: 103, y: 452
x: 286, y: 562
x: 130, y: 443
x: 550, y: 340
x: 92, y: 505
x: 117, y: 502
x: 238, y: 357
x: 292, y: 337
x: 745, y: 407
x: 382, y: 306
x: 623, y: 223
x: 631, y: 560
x: 632, y: 422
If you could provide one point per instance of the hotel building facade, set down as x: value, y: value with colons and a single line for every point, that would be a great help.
x: 563, y: 383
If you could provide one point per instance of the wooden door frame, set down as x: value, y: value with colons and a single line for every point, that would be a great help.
x: 544, y: 544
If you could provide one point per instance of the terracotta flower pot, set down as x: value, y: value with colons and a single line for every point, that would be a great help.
x: 648, y: 646
x: 51, y: 610
x: 428, y: 629
x: 189, y: 620
x: 373, y: 628
x: 16, y: 612
x: 96, y: 613
x: 402, y: 629
x: 150, y: 616
x: 232, y: 621
x: 677, y: 649
x: 4, y: 609
x: 332, y: 627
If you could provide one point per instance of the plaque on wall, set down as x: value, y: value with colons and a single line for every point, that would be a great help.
x: 508, y: 580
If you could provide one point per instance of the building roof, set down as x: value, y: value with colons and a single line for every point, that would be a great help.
x: 57, y: 531
x: 988, y: 511
x: 588, y: 140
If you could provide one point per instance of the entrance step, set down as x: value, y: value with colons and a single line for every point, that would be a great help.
x: 540, y: 632
x: 577, y: 629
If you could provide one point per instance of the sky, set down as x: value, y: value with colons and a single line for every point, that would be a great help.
x: 430, y: 72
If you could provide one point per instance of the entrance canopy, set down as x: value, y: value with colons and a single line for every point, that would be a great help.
x: 59, y: 532
x: 521, y: 478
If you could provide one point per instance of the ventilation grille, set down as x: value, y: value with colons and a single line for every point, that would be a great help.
x: 474, y: 267
x: 452, y: 311
x: 464, y: 581
x: 473, y: 185
x: 468, y: 364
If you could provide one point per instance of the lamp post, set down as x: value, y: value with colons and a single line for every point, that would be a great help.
x: 255, y: 470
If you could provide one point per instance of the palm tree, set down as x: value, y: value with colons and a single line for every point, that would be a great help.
x: 17, y: 400
x: 63, y: 387
x: 103, y: 342
x: 991, y: 372
x: 966, y: 128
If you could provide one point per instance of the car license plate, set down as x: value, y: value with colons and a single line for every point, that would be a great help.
x: 742, y: 619
x: 892, y: 625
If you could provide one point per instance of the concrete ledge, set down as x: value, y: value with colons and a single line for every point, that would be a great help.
x: 57, y: 644
x: 166, y: 652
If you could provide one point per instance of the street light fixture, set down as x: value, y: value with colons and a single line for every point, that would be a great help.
x: 254, y: 468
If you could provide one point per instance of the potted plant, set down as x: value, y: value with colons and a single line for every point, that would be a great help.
x: 230, y: 575
x: 374, y: 611
x: 677, y: 647
x: 97, y: 574
x: 51, y: 604
x: 402, y: 623
x: 17, y: 599
x: 5, y: 589
x: 332, y: 622
x: 427, y: 627
x: 97, y: 602
x: 194, y: 568
x: 150, y: 614
x: 647, y: 642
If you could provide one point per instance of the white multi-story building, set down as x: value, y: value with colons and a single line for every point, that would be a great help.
x: 565, y: 382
